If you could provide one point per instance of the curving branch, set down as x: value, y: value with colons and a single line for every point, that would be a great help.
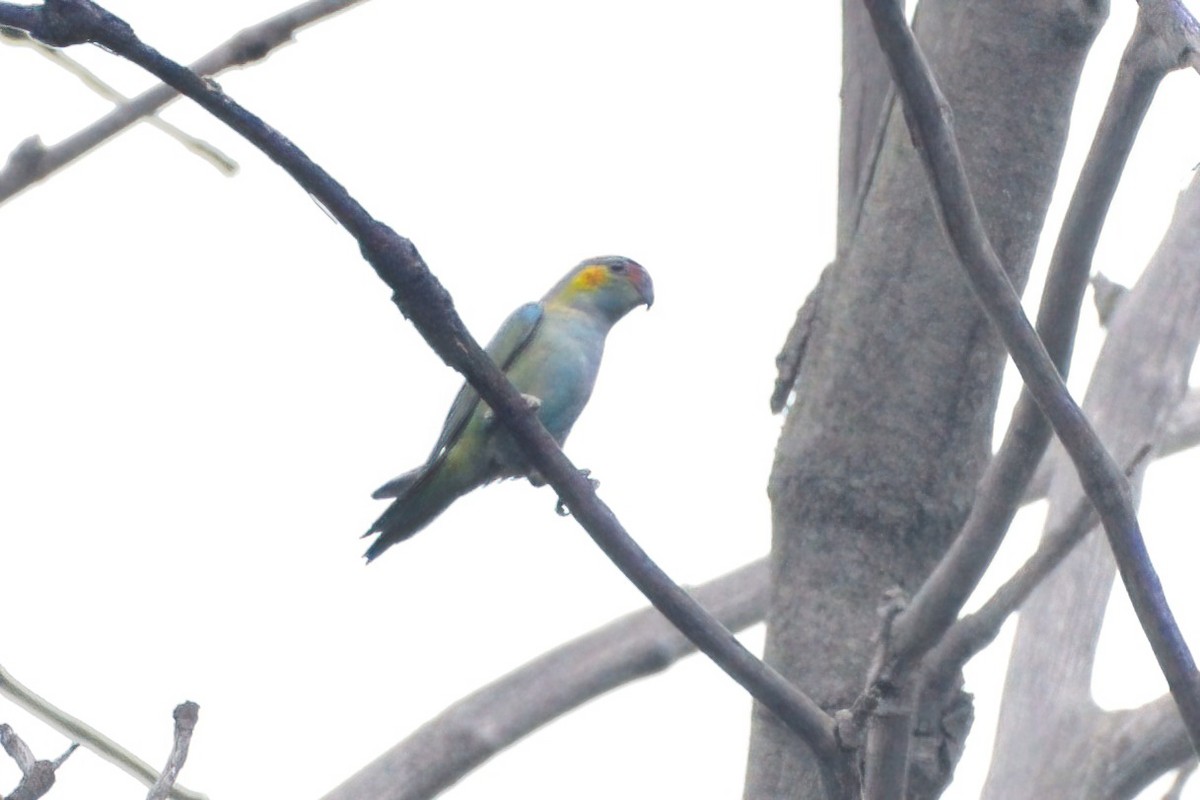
x: 186, y: 715
x: 929, y: 121
x: 84, y: 734
x: 37, y: 776
x: 472, y: 730
x: 1152, y: 740
x: 426, y: 303
x: 970, y: 634
x: 1139, y: 379
x: 91, y: 80
x: 940, y: 599
x: 33, y: 161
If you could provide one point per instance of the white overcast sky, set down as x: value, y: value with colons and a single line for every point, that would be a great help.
x: 203, y: 381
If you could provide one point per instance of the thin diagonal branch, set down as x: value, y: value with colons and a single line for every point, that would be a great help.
x: 941, y: 597
x: 929, y: 120
x: 423, y: 300
x: 615, y: 654
x: 1182, y: 433
x: 937, y: 604
x: 192, y: 144
x: 972, y: 633
x: 32, y: 161
x: 79, y: 731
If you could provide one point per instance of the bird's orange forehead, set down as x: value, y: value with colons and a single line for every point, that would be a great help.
x: 592, y: 277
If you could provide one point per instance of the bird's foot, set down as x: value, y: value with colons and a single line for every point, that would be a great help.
x: 533, y: 402
x: 560, y: 507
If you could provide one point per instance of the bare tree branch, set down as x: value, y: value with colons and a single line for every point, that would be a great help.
x: 611, y: 667
x: 186, y: 715
x: 474, y: 729
x: 940, y: 599
x: 1106, y: 485
x: 970, y: 634
x: 1139, y: 378
x: 423, y: 300
x: 37, y: 777
x: 89, y: 737
x: 938, y: 602
x: 16, y: 748
x: 192, y: 144
x: 1175, y: 27
x: 1152, y: 740
x: 1182, y: 433
x: 32, y: 161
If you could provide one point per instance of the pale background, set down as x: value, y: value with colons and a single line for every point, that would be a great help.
x: 203, y: 381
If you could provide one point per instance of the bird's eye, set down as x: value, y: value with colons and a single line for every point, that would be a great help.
x: 618, y: 268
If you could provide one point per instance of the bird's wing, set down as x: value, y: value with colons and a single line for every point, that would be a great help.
x: 504, y: 347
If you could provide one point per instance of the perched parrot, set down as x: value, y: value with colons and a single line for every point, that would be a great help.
x: 550, y: 350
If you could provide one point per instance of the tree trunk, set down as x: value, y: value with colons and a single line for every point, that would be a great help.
x: 891, y: 425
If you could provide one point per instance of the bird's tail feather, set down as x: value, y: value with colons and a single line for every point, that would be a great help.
x: 421, y: 495
x: 399, y: 485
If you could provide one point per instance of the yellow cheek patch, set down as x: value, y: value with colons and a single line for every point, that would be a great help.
x: 590, y: 278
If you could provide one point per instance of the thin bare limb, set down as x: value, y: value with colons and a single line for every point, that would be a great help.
x: 16, y: 748
x: 474, y: 729
x: 1152, y: 741
x: 35, y: 783
x: 84, y: 734
x: 37, y: 777
x: 929, y: 121
x: 423, y: 300
x: 941, y: 597
x: 192, y: 144
x: 1135, y: 388
x: 597, y: 665
x: 186, y: 715
x: 970, y: 634
x: 58, y: 762
x: 1182, y: 433
x: 33, y: 161
x: 937, y: 604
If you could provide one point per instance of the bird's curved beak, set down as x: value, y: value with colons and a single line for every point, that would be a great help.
x: 645, y: 288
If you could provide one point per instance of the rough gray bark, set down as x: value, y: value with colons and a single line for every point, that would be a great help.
x: 866, y: 87
x: 1139, y: 380
x: 879, y: 456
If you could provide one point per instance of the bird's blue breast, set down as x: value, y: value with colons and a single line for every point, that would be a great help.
x: 559, y: 367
